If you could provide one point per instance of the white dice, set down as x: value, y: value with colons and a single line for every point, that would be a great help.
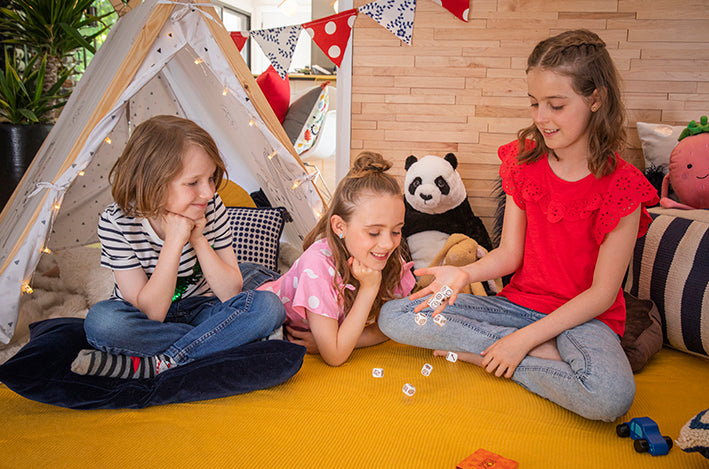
x: 408, y: 389
x: 452, y: 357
x: 378, y: 372
x: 420, y: 319
x: 440, y: 320
x: 426, y: 370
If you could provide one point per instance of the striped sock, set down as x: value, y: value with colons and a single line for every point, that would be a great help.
x: 99, y: 363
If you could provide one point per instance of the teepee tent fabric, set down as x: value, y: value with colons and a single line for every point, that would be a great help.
x: 163, y: 57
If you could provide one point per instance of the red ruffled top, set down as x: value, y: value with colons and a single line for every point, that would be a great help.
x: 566, y: 224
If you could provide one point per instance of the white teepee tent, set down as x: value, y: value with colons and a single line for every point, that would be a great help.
x: 163, y: 57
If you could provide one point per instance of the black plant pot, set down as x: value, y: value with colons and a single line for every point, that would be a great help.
x: 18, y: 145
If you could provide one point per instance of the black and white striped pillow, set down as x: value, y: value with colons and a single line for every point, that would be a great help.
x: 257, y: 234
x: 670, y: 266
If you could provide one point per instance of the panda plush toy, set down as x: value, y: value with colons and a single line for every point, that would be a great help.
x: 436, y: 207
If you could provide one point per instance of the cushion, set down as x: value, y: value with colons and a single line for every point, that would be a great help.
x: 694, y: 436
x: 276, y: 90
x: 233, y: 195
x: 41, y: 371
x: 670, y: 267
x: 658, y: 141
x: 643, y: 331
x: 302, y: 123
x: 257, y: 234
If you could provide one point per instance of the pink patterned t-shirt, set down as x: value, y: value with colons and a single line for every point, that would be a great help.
x: 309, y: 285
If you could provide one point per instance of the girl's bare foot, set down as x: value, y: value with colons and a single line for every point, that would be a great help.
x: 469, y: 357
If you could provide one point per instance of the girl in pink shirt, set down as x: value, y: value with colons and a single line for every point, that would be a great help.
x: 351, y: 265
x: 573, y: 211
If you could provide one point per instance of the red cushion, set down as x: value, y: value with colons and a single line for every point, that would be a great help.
x: 277, y: 91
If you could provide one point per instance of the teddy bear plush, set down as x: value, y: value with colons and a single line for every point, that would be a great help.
x: 436, y: 207
x: 460, y: 250
x: 689, y: 169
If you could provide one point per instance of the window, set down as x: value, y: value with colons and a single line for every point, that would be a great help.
x: 236, y: 20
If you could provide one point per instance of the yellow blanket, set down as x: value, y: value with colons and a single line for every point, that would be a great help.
x: 345, y: 418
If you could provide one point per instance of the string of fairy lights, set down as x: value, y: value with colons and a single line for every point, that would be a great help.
x: 295, y: 183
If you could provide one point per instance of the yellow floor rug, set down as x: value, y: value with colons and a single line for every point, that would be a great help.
x: 345, y: 418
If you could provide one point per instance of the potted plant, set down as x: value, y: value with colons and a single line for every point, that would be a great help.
x: 27, y: 107
x: 47, y: 32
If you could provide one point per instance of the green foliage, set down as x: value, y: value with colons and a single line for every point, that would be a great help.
x: 57, y: 27
x: 22, y: 98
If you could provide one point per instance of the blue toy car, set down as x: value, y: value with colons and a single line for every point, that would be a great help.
x: 647, y: 436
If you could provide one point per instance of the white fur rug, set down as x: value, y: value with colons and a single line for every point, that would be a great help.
x: 65, y: 284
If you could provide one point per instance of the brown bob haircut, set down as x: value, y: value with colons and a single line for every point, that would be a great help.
x: 152, y: 158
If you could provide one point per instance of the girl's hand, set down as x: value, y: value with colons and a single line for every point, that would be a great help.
x: 197, y: 229
x: 503, y: 357
x: 454, y: 277
x: 177, y: 227
x: 304, y: 338
x: 368, y: 278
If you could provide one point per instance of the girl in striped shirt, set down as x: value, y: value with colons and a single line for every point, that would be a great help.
x: 178, y: 288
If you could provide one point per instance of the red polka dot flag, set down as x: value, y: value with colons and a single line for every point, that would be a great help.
x: 332, y: 33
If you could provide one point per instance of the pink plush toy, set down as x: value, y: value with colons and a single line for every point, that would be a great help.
x: 689, y: 169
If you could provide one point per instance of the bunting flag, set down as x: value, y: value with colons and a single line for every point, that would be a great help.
x: 332, y: 33
x: 239, y: 38
x: 278, y: 44
x: 459, y: 8
x: 395, y: 15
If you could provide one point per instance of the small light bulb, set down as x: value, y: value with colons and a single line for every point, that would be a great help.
x: 81, y: 173
x: 252, y: 123
x: 296, y: 183
x: 270, y: 157
x: 46, y: 250
x: 107, y: 140
x: 225, y: 91
x: 198, y: 61
x: 27, y: 289
x: 57, y: 206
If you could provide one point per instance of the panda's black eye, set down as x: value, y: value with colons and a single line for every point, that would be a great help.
x: 442, y: 185
x: 414, y: 185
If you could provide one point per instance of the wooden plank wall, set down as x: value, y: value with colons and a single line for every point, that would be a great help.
x: 460, y: 87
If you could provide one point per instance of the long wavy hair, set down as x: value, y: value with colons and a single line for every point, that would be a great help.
x: 152, y: 158
x: 582, y: 55
x: 366, y: 177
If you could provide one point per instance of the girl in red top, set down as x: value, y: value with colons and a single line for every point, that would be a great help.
x: 573, y: 211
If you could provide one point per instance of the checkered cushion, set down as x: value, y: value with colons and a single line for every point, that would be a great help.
x: 257, y: 232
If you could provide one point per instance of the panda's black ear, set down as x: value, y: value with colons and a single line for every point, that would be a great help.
x: 450, y: 157
x: 411, y: 159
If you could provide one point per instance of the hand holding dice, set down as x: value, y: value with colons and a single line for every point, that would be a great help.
x: 434, y: 302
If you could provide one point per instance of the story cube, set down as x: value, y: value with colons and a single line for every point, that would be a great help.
x: 378, y: 372
x: 420, y: 319
x: 452, y: 357
x: 408, y: 389
x: 446, y: 291
x: 426, y: 370
x: 433, y: 303
x: 487, y: 459
x: 440, y: 320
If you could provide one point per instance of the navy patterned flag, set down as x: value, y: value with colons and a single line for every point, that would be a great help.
x: 278, y: 44
x: 395, y: 15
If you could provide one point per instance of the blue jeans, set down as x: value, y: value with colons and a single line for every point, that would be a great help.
x: 194, y: 327
x: 594, y: 379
